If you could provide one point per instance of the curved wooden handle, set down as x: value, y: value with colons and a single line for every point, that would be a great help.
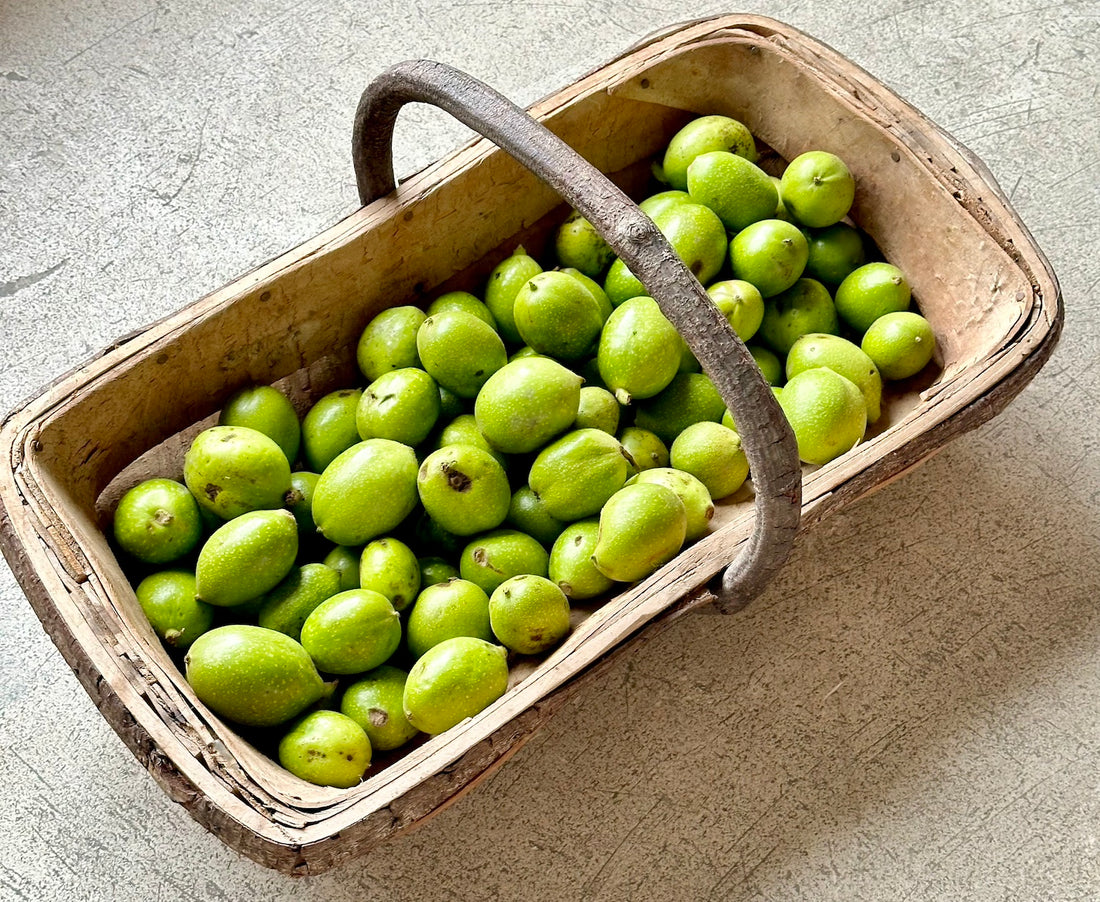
x: 767, y: 439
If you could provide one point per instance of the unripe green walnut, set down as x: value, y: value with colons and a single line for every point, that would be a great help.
x: 251, y: 675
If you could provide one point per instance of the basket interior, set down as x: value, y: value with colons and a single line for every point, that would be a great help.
x: 295, y: 322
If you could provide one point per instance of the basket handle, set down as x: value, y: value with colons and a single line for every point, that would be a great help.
x: 767, y: 439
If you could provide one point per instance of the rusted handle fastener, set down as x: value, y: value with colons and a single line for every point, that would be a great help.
x: 767, y: 439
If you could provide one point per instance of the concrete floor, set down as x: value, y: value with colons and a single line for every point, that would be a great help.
x: 921, y: 721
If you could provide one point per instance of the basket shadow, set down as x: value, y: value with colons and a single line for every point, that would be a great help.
x: 886, y: 696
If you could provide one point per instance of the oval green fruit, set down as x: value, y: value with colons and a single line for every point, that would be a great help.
x: 389, y: 342
x: 771, y: 367
x: 299, y: 500
x: 233, y: 469
x: 657, y: 203
x: 376, y: 703
x: 841, y: 356
x: 835, y: 252
x: 702, y: 135
x: 454, y: 680
x: 781, y: 211
x: 157, y: 521
x: 640, y: 350
x: 496, y: 556
x: 644, y: 447
x: 460, y: 351
x: 556, y: 315
x: 463, y: 430
x: 450, y: 404
x: 529, y: 614
x: 900, y: 344
x: 578, y: 245
x: 251, y: 675
x: 741, y: 303
x: 286, y: 607
x: 266, y: 410
x: 871, y: 291
x: 389, y: 566
x: 464, y: 301
x: 352, y: 632
x: 326, y: 748
x: 526, y: 403
x: 329, y: 428
x: 642, y: 526
x: 818, y: 188
x: 500, y: 291
x: 457, y: 607
x: 245, y: 558
x: 401, y: 405
x: 698, y: 237
x: 571, y: 567
x: 689, y: 398
x: 739, y: 191
x: 345, y: 562
x: 826, y: 412
x: 576, y: 474
x: 365, y: 492
x: 598, y: 409
x: 176, y: 615
x: 603, y: 302
x: 691, y: 492
x: 464, y: 489
x: 620, y: 284
x: 803, y: 308
x: 770, y: 254
x: 711, y: 453
x: 435, y: 570
x: 527, y: 513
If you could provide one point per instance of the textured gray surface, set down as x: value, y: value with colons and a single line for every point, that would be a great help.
x: 909, y: 712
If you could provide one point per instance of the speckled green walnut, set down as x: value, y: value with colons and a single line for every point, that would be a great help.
x: 639, y: 351
x: 691, y: 492
x: 454, y: 680
x: 496, y: 556
x: 365, y: 492
x: 575, y: 475
x: 157, y: 521
x: 526, y: 403
x: 352, y: 632
x: 326, y: 748
x: 389, y: 566
x: 571, y: 567
x: 375, y: 703
x: 176, y: 615
x: 702, y: 135
x: 329, y: 428
x: 233, y: 469
x: 286, y: 607
x: 251, y: 675
x: 641, y: 527
x: 500, y: 291
x: 246, y: 557
x: 457, y: 607
x: 557, y: 315
x: 460, y: 351
x: 464, y: 489
x: 266, y: 410
x: 529, y: 614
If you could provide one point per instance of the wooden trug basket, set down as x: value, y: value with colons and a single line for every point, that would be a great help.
x: 933, y: 209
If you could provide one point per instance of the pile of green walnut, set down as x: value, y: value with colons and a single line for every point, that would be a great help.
x: 362, y: 576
